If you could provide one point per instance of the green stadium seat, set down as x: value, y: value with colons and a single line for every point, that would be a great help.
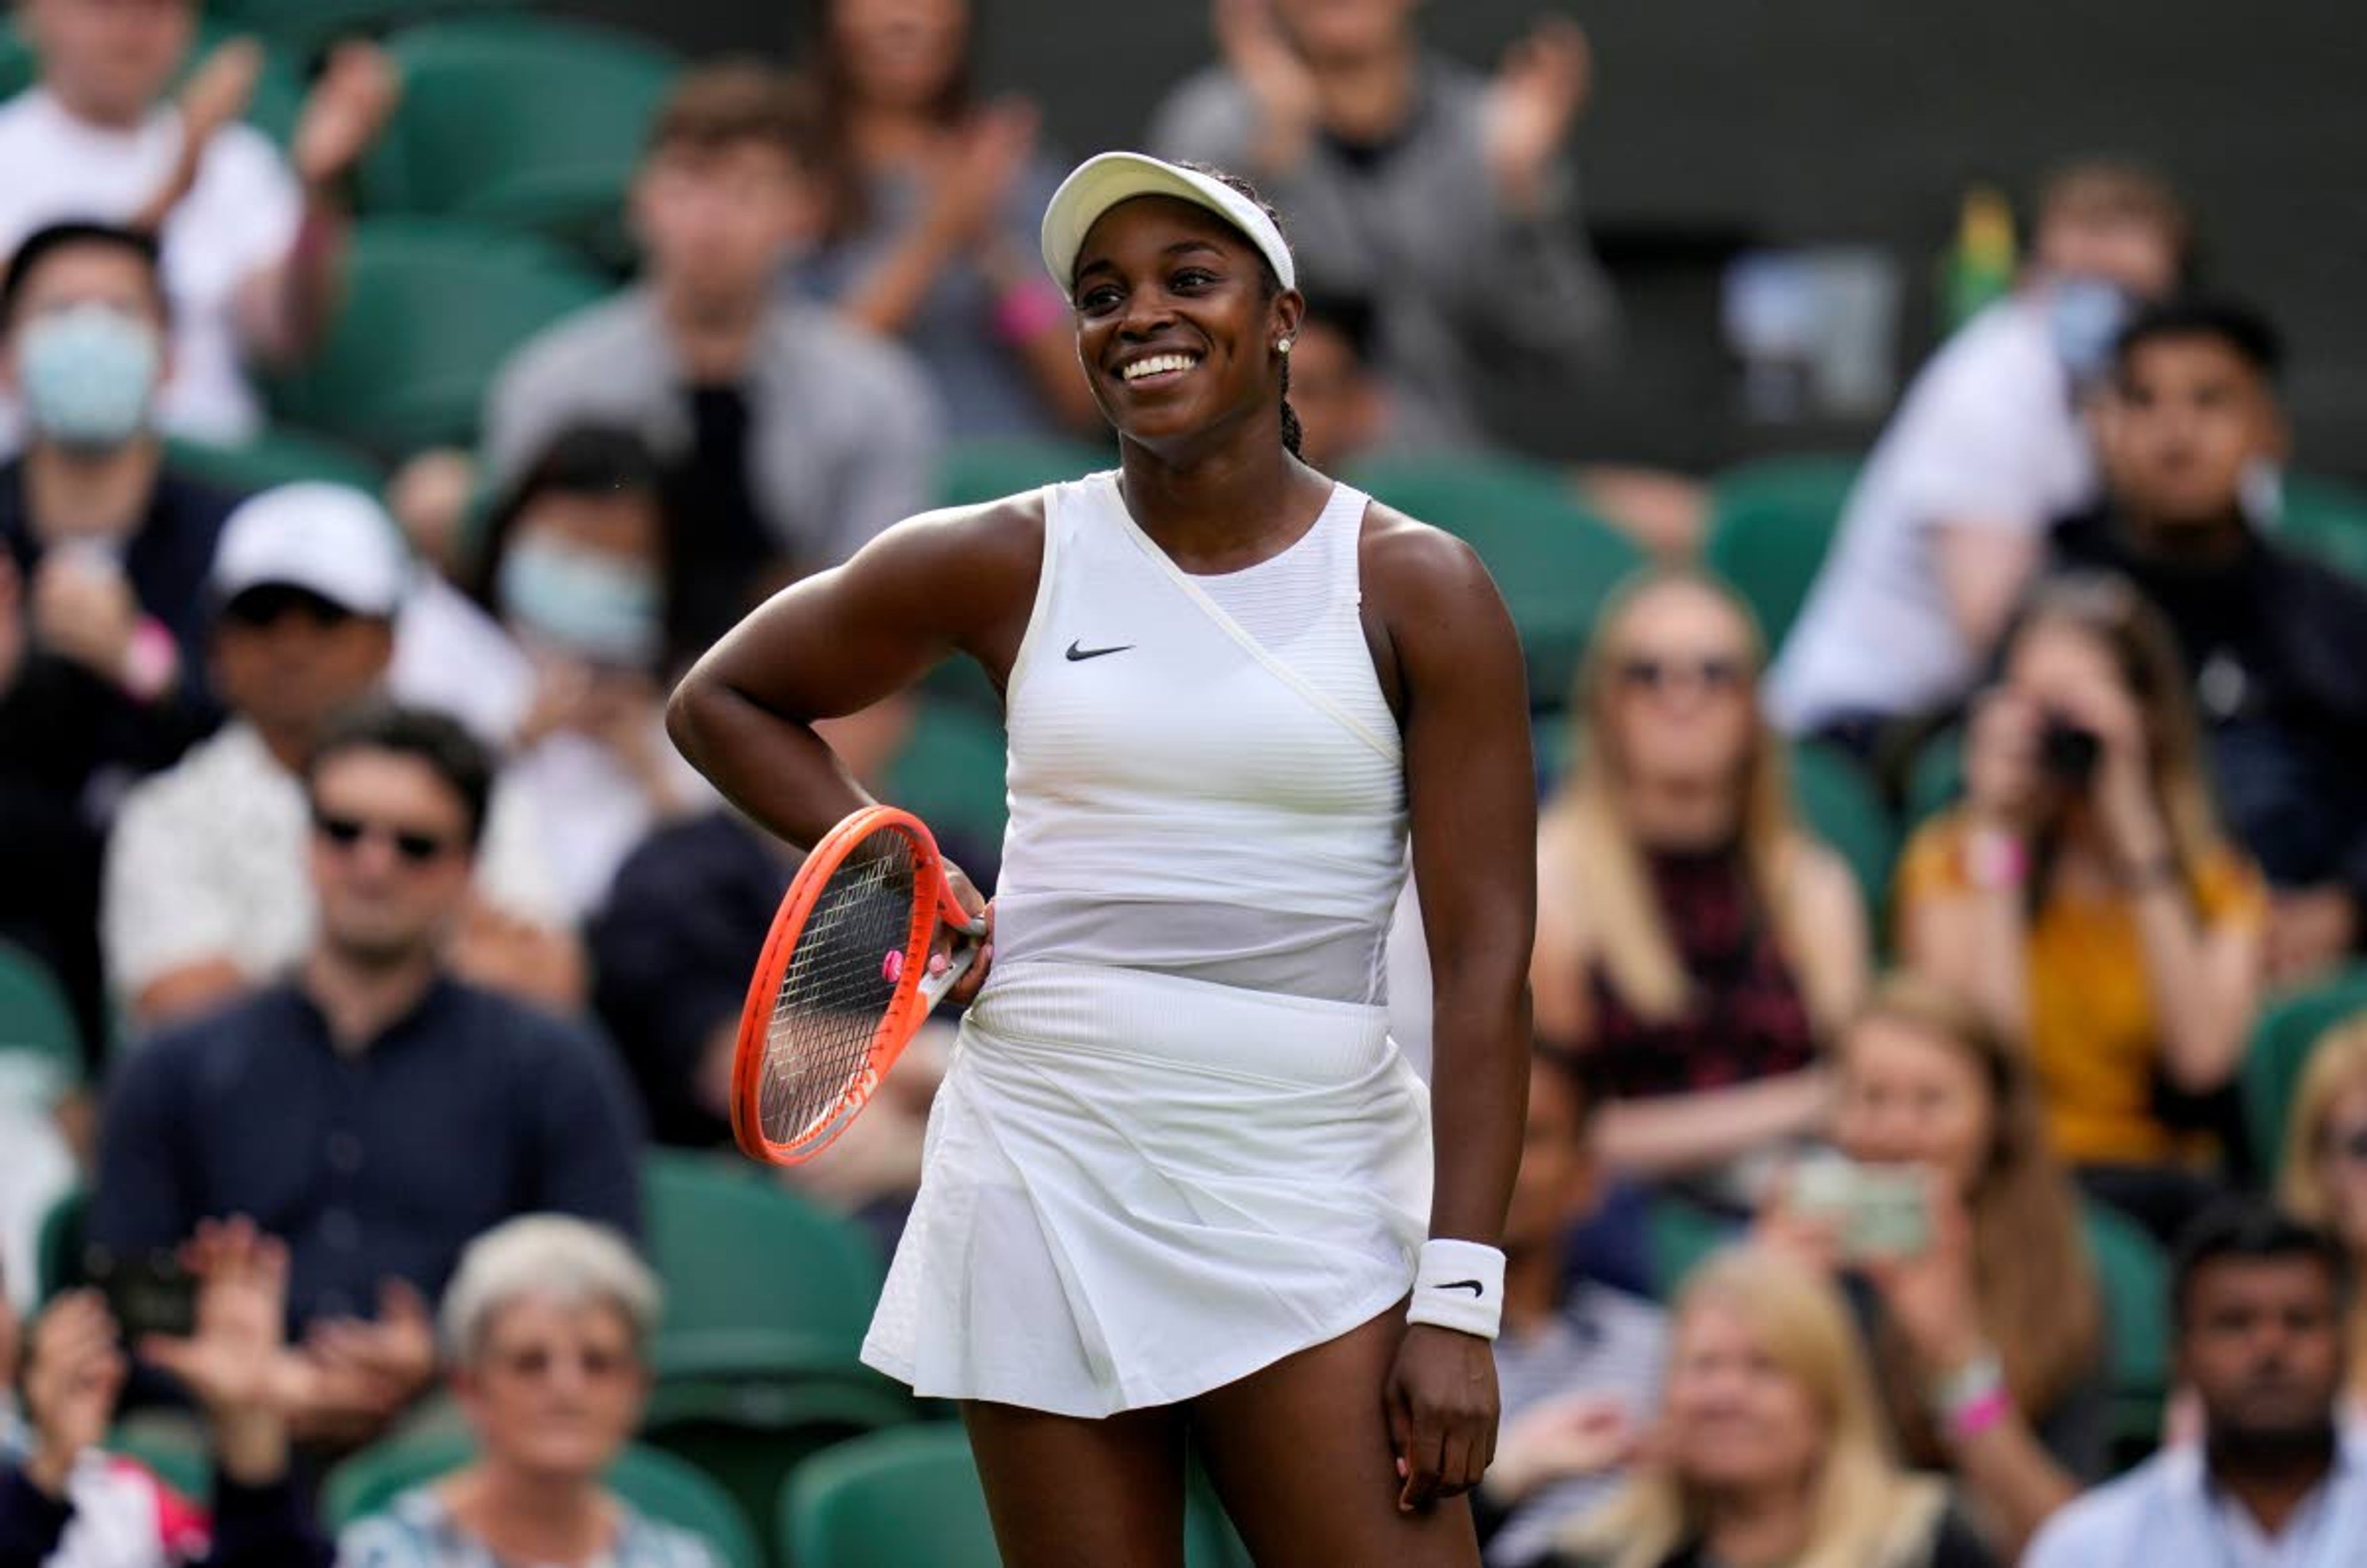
x: 274, y: 458
x: 1842, y: 807
x: 658, y: 1484
x: 434, y: 309
x: 2281, y: 1040
x: 173, y: 1444
x: 2328, y: 519
x: 1936, y: 777
x: 758, y: 1281
x: 522, y: 123
x: 278, y: 92
x: 902, y: 1499
x: 1554, y: 560
x: 37, y: 1026
x: 56, y: 1251
x: 1679, y: 1236
x: 2132, y: 1273
x: 309, y: 24
x: 983, y: 469
x: 1770, y: 525
x: 950, y: 774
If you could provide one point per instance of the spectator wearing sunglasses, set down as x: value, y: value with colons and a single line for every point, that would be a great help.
x: 1692, y: 938
x: 374, y: 1111
x: 2324, y: 1180
x: 205, y: 896
x: 545, y: 1334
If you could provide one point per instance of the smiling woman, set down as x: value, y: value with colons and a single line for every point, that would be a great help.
x: 1178, y: 1173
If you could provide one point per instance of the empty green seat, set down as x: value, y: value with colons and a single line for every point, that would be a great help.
x: 434, y: 309
x: 58, y: 1249
x: 901, y: 1499
x: 2328, y: 519
x: 2133, y: 1275
x: 950, y: 774
x: 1553, y: 559
x: 276, y: 458
x: 1679, y: 1236
x: 521, y: 122
x: 987, y: 469
x: 1841, y: 807
x: 758, y: 1279
x: 1771, y: 522
x: 660, y: 1485
x: 2281, y: 1040
x: 36, y: 1023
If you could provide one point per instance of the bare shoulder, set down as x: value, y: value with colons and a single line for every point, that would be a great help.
x: 977, y: 565
x: 1414, y: 570
x: 993, y: 537
x: 1822, y: 882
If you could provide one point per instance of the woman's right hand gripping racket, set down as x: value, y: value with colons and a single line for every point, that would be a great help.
x: 844, y: 982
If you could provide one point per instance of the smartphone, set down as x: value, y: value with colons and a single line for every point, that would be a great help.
x: 1876, y: 1211
x: 148, y: 1292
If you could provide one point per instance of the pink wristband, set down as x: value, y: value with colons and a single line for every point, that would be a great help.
x: 151, y: 660
x: 1027, y: 309
x: 1995, y: 860
x: 1977, y: 1415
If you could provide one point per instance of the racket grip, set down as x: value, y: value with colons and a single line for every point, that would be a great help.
x: 934, y: 988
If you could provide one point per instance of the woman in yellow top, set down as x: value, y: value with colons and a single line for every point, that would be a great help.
x: 2084, y: 895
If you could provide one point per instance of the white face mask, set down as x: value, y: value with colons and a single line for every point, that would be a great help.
x: 586, y: 602
x: 2084, y: 316
x: 89, y: 374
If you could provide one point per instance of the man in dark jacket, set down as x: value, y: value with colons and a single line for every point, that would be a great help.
x: 2190, y: 435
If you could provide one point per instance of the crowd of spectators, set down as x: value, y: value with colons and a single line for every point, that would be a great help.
x: 395, y: 931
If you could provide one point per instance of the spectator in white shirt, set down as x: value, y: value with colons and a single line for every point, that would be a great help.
x: 206, y: 892
x: 1987, y: 449
x: 252, y: 239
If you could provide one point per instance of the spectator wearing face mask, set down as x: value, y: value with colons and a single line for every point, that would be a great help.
x: 103, y: 559
x: 205, y: 896
x: 252, y: 241
x: 2192, y: 436
x: 578, y: 567
x: 1988, y: 447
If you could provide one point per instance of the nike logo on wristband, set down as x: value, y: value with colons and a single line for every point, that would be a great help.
x: 1474, y: 1286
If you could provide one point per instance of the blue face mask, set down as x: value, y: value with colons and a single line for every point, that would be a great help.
x: 89, y: 372
x: 2084, y: 316
x: 584, y: 602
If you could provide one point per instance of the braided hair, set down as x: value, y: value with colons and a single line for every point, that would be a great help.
x: 1293, y: 434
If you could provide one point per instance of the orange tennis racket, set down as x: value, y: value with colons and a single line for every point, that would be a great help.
x: 844, y: 983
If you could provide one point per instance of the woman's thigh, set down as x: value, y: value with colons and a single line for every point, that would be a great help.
x: 1069, y: 1493
x: 1299, y: 1451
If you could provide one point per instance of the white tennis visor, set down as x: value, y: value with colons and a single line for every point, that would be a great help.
x: 1101, y: 182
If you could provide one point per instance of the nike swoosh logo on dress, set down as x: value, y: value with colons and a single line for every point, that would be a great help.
x: 1079, y: 653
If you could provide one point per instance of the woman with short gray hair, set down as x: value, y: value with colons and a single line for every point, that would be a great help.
x: 545, y: 1329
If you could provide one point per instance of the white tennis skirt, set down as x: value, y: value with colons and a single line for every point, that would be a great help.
x: 1140, y: 1187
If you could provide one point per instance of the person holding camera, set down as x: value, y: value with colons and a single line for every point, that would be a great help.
x: 1957, y: 1234
x: 2085, y: 897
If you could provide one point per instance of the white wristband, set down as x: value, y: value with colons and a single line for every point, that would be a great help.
x: 1459, y: 1285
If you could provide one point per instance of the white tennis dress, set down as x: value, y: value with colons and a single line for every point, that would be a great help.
x: 1176, y: 1142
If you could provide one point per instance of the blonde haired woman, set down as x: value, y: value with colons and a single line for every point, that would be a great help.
x: 1987, y: 1338
x: 2324, y: 1182
x: 2086, y: 898
x: 1692, y: 938
x: 1769, y: 1451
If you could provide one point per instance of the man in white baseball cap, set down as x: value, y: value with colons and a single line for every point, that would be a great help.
x: 206, y: 892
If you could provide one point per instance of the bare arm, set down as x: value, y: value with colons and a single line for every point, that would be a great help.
x: 2017, y: 1481
x: 842, y: 639
x: 1983, y: 567
x: 2205, y: 984
x: 1834, y: 956
x: 1469, y: 792
x: 1975, y: 944
x: 1677, y: 1134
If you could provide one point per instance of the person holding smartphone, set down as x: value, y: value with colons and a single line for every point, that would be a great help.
x: 64, y: 1502
x: 2086, y: 897
x: 1942, y: 1208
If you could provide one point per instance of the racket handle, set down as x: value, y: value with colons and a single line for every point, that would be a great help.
x: 958, y: 963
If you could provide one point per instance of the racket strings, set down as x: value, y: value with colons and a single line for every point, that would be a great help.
x: 843, y: 974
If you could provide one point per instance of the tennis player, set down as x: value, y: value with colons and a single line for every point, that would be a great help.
x: 1179, y: 1179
